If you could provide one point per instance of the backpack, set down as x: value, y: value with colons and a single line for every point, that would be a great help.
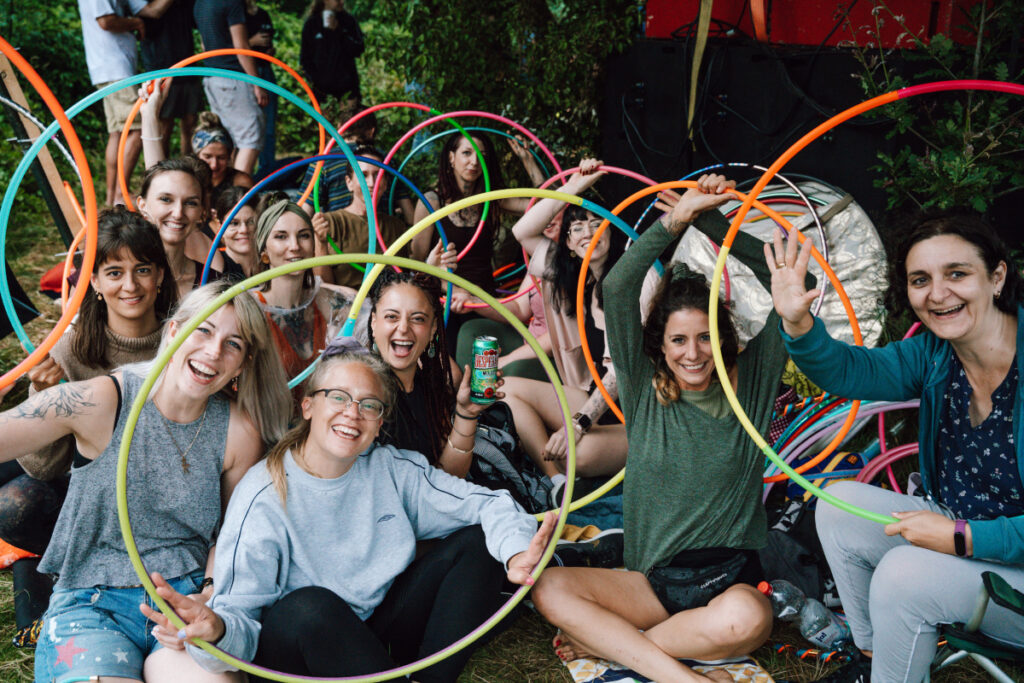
x: 500, y: 464
x: 794, y: 553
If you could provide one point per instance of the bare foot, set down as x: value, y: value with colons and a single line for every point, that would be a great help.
x: 567, y: 649
x: 719, y: 675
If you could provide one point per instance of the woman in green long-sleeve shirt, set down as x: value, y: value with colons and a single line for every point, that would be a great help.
x: 692, y: 490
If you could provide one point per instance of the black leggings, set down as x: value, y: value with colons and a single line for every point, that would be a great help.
x: 442, y: 596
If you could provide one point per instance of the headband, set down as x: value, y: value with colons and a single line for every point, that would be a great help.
x: 271, y: 215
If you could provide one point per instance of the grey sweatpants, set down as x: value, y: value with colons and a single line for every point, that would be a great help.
x: 895, y: 593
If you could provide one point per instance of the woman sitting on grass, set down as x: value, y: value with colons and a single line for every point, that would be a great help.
x: 192, y: 444
x: 317, y: 571
x: 692, y: 498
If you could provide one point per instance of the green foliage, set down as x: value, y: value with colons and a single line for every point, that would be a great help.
x: 539, y: 63
x: 969, y: 145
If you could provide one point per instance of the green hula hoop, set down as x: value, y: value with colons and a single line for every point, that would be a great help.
x: 164, y: 358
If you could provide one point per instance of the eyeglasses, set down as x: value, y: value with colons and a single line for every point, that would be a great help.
x: 579, y: 227
x: 339, y: 399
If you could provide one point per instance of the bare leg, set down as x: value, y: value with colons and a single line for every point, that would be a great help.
x: 132, y: 148
x: 169, y: 666
x: 110, y: 157
x: 600, y: 452
x: 245, y: 159
x: 602, y: 611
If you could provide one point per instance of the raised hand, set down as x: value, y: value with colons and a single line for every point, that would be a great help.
x: 462, y: 400
x: 200, y: 621
x: 711, y: 192
x: 522, y: 564
x: 444, y: 258
x: 585, y: 178
x: 320, y: 227
x: 46, y: 373
x: 789, y: 294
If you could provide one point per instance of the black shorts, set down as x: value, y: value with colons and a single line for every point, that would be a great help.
x: 185, y: 96
x: 693, y: 577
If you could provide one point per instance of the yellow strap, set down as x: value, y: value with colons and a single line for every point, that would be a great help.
x: 703, y: 26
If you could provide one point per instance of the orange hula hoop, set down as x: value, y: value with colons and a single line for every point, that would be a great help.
x: 774, y: 215
x: 123, y: 140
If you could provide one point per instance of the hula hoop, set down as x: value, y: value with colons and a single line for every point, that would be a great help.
x: 123, y: 140
x: 457, y: 114
x: 51, y: 130
x: 715, y: 287
x: 164, y: 358
x: 533, y: 200
x: 70, y: 260
x: 63, y: 122
x: 373, y: 273
x: 474, y: 129
x: 867, y: 105
x: 295, y: 381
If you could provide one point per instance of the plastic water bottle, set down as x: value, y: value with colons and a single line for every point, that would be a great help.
x: 817, y: 623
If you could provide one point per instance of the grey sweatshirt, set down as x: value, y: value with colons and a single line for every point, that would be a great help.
x: 352, y: 535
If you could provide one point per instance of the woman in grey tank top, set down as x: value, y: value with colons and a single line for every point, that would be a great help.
x: 193, y: 442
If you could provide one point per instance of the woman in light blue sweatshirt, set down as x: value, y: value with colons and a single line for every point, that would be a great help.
x: 899, y: 581
x: 316, y: 571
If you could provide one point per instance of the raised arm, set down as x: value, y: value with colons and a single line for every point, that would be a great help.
x: 529, y: 230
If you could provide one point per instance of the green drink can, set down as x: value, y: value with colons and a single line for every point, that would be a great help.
x: 483, y: 383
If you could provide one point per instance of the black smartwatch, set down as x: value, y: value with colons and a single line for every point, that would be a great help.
x: 960, y: 538
x: 583, y: 422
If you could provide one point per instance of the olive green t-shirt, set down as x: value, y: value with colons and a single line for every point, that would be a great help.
x: 693, y: 476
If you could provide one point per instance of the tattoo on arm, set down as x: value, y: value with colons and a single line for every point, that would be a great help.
x: 64, y: 399
x: 596, y: 406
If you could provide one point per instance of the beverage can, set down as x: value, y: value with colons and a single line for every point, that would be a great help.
x: 483, y: 382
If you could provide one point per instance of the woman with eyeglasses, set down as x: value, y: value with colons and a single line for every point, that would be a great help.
x: 239, y: 241
x: 600, y: 438
x: 316, y: 571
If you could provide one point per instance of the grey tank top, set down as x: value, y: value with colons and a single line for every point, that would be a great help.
x: 174, y: 514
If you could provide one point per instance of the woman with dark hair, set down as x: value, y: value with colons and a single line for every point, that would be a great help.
x: 460, y: 175
x: 407, y: 331
x: 317, y: 572
x: 194, y: 439
x: 174, y: 198
x: 899, y: 581
x: 303, y: 312
x: 239, y: 240
x: 128, y: 296
x: 555, y: 265
x: 693, y: 518
x: 213, y: 145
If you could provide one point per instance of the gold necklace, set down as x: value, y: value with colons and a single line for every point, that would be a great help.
x: 184, y: 461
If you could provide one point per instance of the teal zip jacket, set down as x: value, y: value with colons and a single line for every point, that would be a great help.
x: 914, y: 368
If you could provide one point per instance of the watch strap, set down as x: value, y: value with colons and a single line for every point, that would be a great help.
x: 960, y: 538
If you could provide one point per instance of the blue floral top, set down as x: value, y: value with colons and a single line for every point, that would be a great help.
x: 977, y: 466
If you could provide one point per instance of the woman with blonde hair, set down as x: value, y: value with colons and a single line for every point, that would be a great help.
x: 220, y: 399
x: 297, y: 591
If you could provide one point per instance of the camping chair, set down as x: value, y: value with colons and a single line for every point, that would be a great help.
x: 965, y: 640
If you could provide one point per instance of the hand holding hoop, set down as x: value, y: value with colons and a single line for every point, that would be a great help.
x: 710, y: 193
x: 200, y: 621
x: 521, y: 565
x: 789, y: 293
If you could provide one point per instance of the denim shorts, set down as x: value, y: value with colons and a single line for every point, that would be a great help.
x: 100, y: 631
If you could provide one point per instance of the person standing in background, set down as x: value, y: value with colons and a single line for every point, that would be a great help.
x: 221, y: 24
x: 167, y: 41
x: 261, y: 39
x: 331, y: 41
x: 108, y: 28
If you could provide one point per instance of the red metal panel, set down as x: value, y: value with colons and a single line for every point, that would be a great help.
x: 809, y: 22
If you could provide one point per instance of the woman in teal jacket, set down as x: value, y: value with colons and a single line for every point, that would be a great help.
x: 898, y: 581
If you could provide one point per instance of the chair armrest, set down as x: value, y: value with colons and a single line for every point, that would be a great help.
x: 1002, y: 593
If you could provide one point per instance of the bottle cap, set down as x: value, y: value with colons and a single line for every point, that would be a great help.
x: 765, y: 587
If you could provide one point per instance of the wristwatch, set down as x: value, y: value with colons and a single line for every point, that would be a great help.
x: 959, y: 538
x: 583, y: 422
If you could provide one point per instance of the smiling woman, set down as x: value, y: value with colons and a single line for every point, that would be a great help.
x: 304, y: 313
x: 317, y: 571
x: 192, y: 444
x: 130, y: 292
x: 899, y: 581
